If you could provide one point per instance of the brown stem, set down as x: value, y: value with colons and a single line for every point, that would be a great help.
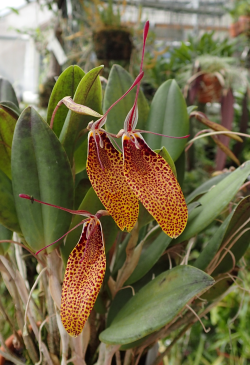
x: 26, y: 248
x: 11, y: 358
x: 5, y: 144
x: 175, y: 324
x: 54, y: 263
x: 133, y: 253
x: 12, y: 326
x: 166, y: 352
x: 54, y: 113
x: 24, y: 296
x: 94, y: 341
x: 11, y: 286
x: 64, y: 338
x: 128, y: 357
x: 106, y: 353
x: 53, y: 333
x: 6, y: 349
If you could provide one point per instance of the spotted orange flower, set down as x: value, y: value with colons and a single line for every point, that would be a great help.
x: 150, y: 176
x: 105, y: 172
x: 83, y: 277
x: 84, y: 272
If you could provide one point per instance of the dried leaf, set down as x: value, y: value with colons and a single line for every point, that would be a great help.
x: 78, y: 108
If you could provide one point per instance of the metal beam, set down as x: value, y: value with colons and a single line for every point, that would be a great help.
x: 180, y: 6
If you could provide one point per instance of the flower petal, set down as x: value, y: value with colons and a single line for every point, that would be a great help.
x: 83, y: 278
x: 153, y: 182
x: 110, y: 184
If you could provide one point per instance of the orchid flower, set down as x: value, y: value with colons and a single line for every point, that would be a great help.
x: 150, y: 176
x: 84, y: 271
x: 105, y: 172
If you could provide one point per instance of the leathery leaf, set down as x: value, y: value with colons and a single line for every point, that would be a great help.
x: 156, y: 304
x: 8, y: 214
x: 65, y: 85
x: 40, y: 168
x: 7, y: 126
x: 168, y: 115
x: 214, y: 202
x: 5, y: 234
x: 88, y: 93
x: 118, y: 83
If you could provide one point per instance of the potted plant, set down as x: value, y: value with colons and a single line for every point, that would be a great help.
x: 209, y: 76
x: 241, y: 17
x: 112, y: 40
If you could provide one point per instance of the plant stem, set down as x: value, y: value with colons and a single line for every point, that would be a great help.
x: 24, y: 296
x: 10, y: 357
x: 64, y: 338
x: 12, y: 326
x: 133, y: 254
x: 11, y: 286
x: 166, y: 352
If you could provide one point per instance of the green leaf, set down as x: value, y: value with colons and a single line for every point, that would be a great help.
x: 204, y: 188
x: 5, y: 234
x: 239, y: 217
x: 121, y: 298
x: 163, y: 152
x: 80, y: 156
x: 191, y: 108
x: 99, y: 306
x: 7, y: 92
x: 156, y: 304
x: 121, y: 252
x: 10, y: 108
x: 7, y: 126
x: 214, y: 202
x: 168, y: 115
x: 65, y: 85
x: 144, y: 216
x: 88, y: 93
x: 118, y: 83
x: 213, y: 245
x: 81, y: 190
x: 92, y: 204
x: 8, y: 215
x: 180, y: 165
x: 153, y: 247
x: 218, y: 289
x: 40, y: 168
x: 193, y: 205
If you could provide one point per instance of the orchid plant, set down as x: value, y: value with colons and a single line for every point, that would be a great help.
x: 130, y: 275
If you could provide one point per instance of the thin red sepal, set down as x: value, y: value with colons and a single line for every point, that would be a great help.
x: 128, y: 125
x: 99, y: 123
x: 77, y: 212
x: 159, y: 134
x: 72, y: 229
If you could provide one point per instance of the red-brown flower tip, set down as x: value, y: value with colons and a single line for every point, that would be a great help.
x: 25, y: 196
x: 146, y: 28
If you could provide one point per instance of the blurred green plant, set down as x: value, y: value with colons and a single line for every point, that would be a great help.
x: 161, y: 67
